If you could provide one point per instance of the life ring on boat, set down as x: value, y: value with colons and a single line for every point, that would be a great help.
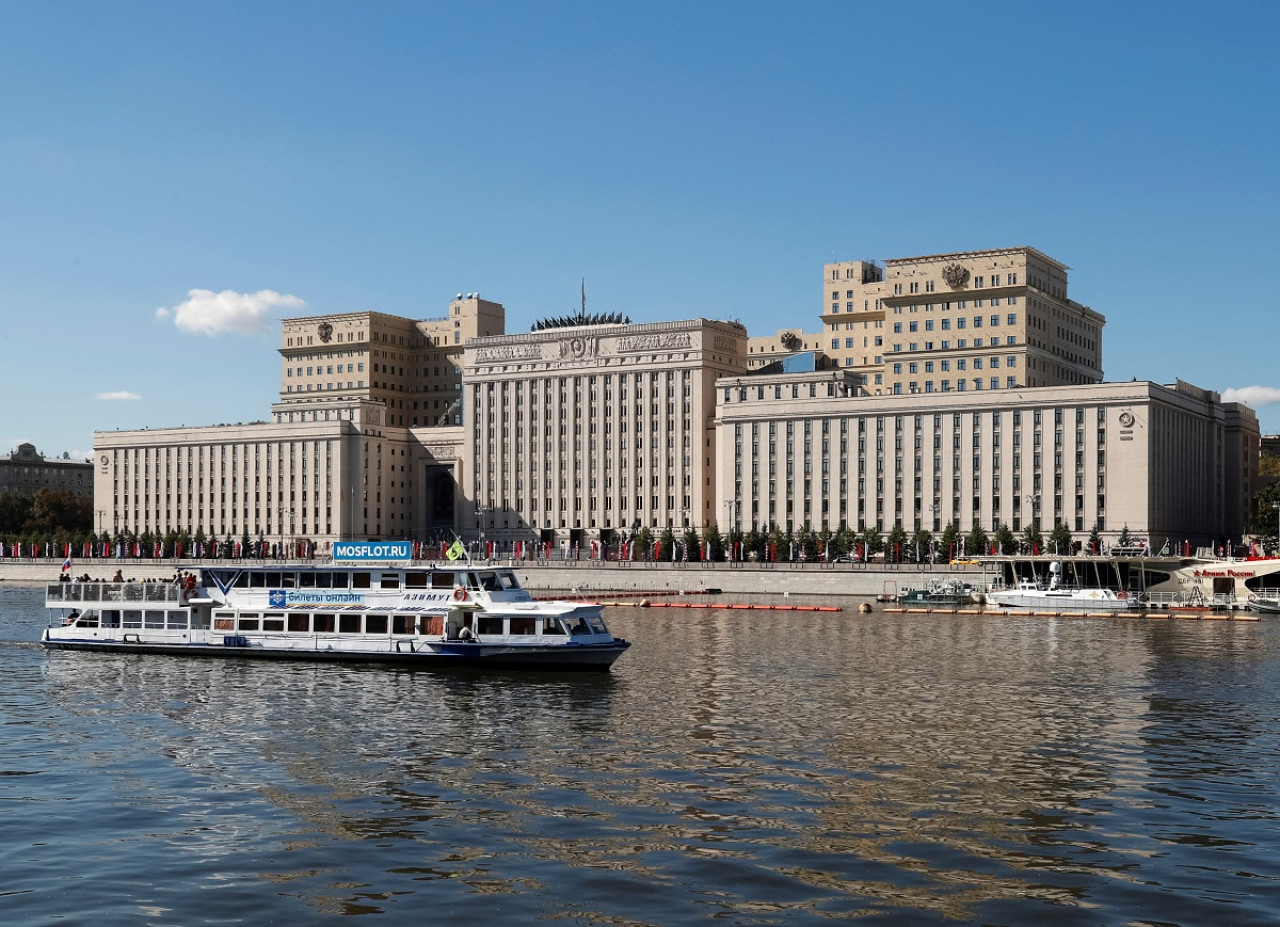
x: 459, y: 594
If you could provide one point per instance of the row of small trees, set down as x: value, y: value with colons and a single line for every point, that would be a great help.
x: 806, y: 544
x: 148, y: 544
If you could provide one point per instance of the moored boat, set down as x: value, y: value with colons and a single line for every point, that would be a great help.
x: 1266, y: 602
x: 938, y: 593
x: 356, y: 609
x: 1033, y: 595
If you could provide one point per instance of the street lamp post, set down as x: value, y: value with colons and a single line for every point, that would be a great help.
x: 1276, y: 506
x: 481, y: 512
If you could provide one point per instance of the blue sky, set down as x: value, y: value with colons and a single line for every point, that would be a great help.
x: 686, y: 159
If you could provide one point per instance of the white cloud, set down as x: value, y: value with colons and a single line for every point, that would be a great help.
x: 1252, y: 395
x: 119, y: 394
x: 212, y: 313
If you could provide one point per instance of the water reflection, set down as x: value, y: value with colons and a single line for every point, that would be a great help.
x: 759, y: 767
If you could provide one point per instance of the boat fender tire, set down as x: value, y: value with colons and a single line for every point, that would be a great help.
x: 1122, y: 594
x: 459, y: 594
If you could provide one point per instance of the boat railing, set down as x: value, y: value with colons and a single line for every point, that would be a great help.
x: 76, y: 593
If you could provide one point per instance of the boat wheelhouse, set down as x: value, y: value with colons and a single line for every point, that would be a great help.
x: 446, y: 615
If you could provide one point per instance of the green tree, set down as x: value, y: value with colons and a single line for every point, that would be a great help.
x: 1060, y: 539
x: 950, y: 541
x: 1004, y: 539
x: 1095, y: 540
x: 871, y: 537
x: 826, y: 543
x: 1124, y: 540
x: 1032, y: 538
x: 806, y: 544
x: 895, y: 542
x: 977, y: 542
x: 667, y: 545
x: 692, y: 546
x: 922, y: 546
x: 844, y: 541
x: 1266, y: 520
x: 713, y: 542
x: 59, y: 511
x: 15, y: 509
x: 641, y: 543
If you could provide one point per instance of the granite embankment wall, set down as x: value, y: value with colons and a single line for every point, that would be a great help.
x: 810, y: 579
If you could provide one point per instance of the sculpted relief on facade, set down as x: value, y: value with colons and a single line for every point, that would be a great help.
x: 508, y: 352
x: 662, y: 341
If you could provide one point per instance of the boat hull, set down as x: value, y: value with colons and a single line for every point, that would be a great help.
x: 1059, y: 603
x: 450, y: 655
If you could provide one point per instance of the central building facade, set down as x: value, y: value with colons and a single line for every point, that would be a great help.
x: 579, y: 433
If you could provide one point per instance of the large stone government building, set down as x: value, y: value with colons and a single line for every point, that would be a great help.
x: 963, y: 388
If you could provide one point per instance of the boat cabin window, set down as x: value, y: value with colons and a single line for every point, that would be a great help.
x: 489, y: 624
x: 390, y: 580
x: 300, y: 622
x: 326, y: 580
x: 111, y: 618
x: 431, y: 625
x: 349, y: 623
x: 525, y: 625
x: 248, y: 621
x: 402, y: 624
x: 153, y: 619
x: 441, y: 580
x: 322, y: 624
x: 552, y: 626
x: 375, y: 624
x: 273, y: 621
x: 288, y: 581
x: 360, y: 580
x: 416, y: 579
x: 132, y: 618
x: 224, y: 621
x: 307, y: 580
x: 489, y: 582
x: 242, y: 580
x: 508, y: 579
x: 257, y: 579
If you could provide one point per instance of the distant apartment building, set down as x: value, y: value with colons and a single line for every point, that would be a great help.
x: 963, y: 322
x: 414, y: 368
x: 26, y: 472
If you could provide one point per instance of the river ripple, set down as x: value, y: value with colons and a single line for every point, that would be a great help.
x: 742, y: 767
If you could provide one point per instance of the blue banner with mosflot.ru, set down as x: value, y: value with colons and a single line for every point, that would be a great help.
x: 372, y: 551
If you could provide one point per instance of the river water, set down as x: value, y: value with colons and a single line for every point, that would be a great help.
x: 736, y: 767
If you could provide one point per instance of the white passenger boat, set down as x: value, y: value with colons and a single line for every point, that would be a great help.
x: 1034, y: 595
x: 448, y: 615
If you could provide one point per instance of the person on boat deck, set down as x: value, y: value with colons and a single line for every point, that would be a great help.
x: 466, y: 634
x: 71, y: 619
x: 118, y: 578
